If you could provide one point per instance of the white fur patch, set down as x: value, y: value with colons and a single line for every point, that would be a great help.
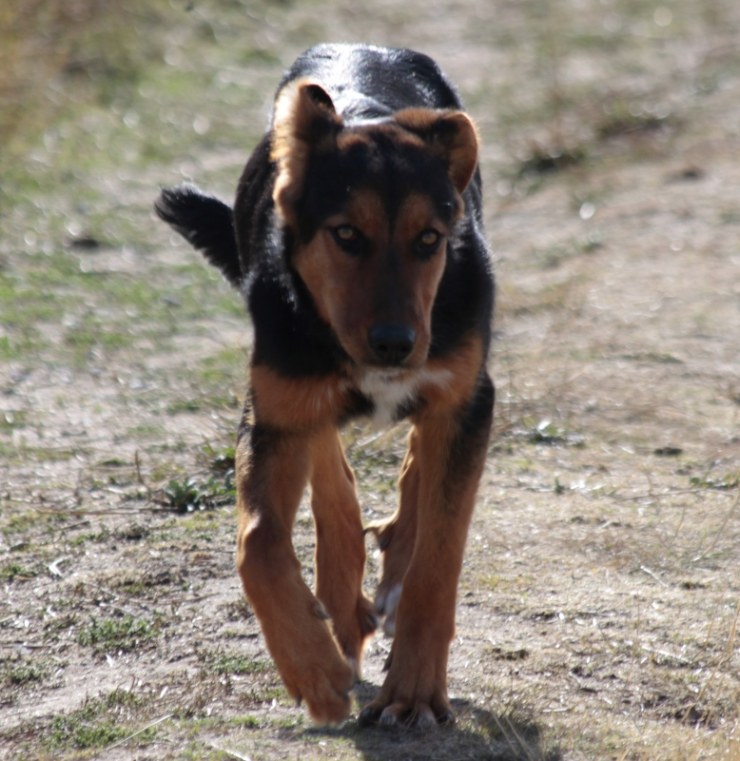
x: 389, y: 390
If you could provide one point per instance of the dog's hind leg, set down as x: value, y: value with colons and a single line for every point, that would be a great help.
x: 272, y: 470
x: 396, y: 538
x: 340, y: 550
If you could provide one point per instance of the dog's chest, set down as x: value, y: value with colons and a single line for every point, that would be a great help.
x: 393, y: 392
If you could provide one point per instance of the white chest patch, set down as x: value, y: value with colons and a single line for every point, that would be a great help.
x: 390, y: 390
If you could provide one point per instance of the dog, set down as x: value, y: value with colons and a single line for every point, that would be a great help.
x: 357, y: 240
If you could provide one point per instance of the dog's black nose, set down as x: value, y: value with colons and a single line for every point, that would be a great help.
x: 391, y: 344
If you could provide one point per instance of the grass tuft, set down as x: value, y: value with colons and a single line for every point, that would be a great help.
x: 96, y: 724
x: 24, y: 672
x: 192, y: 494
x: 117, y: 635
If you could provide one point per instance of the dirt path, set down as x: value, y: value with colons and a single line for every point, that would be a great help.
x: 599, y: 602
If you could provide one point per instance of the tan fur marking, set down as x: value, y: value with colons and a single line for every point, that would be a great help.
x: 464, y: 366
x: 269, y: 491
x: 296, y: 404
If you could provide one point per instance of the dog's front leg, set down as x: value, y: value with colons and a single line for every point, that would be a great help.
x: 340, y: 546
x: 451, y: 450
x: 272, y: 470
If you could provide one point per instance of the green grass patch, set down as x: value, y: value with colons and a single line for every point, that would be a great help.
x: 551, y: 434
x: 24, y: 672
x: 120, y: 634
x: 96, y: 724
x: 95, y: 335
x: 724, y: 482
x: 192, y: 494
x: 220, y: 459
x: 15, y: 571
x: 91, y: 536
x: 12, y: 420
x: 223, y: 368
x: 21, y: 452
x: 79, y: 732
x: 226, y: 664
x: 184, y: 405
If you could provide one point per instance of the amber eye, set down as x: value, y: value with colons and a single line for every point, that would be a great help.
x: 427, y: 243
x: 349, y: 239
x: 345, y: 233
x: 429, y: 238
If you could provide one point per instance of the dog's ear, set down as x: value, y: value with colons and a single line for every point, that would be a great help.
x: 450, y: 133
x: 304, y: 121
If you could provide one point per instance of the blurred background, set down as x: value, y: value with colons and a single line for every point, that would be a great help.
x: 90, y: 84
x: 598, y: 614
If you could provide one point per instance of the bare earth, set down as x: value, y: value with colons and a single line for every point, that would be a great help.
x: 599, y: 603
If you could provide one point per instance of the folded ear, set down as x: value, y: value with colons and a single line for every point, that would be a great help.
x: 451, y: 133
x: 304, y: 121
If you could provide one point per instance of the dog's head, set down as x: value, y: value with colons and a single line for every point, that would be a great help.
x: 371, y: 207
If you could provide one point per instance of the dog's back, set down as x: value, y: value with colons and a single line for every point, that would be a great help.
x: 367, y: 82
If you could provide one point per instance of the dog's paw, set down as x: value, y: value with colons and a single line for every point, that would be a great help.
x: 415, y: 689
x: 324, y: 685
x: 306, y: 653
x: 417, y: 714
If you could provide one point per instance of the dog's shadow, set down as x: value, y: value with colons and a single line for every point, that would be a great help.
x: 477, y: 735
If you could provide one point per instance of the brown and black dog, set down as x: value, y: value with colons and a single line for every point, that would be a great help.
x: 357, y: 240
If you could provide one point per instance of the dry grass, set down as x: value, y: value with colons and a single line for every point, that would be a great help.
x: 598, y: 615
x: 51, y: 52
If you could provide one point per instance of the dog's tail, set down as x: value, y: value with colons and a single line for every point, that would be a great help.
x: 206, y: 223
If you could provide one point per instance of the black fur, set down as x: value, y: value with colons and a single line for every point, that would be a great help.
x: 206, y: 223
x: 368, y: 82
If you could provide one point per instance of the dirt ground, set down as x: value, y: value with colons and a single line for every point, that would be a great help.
x: 599, y: 602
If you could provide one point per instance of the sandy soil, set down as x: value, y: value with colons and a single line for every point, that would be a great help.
x: 599, y: 602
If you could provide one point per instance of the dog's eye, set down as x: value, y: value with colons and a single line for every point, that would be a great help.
x: 348, y: 238
x: 427, y: 243
x: 345, y: 233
